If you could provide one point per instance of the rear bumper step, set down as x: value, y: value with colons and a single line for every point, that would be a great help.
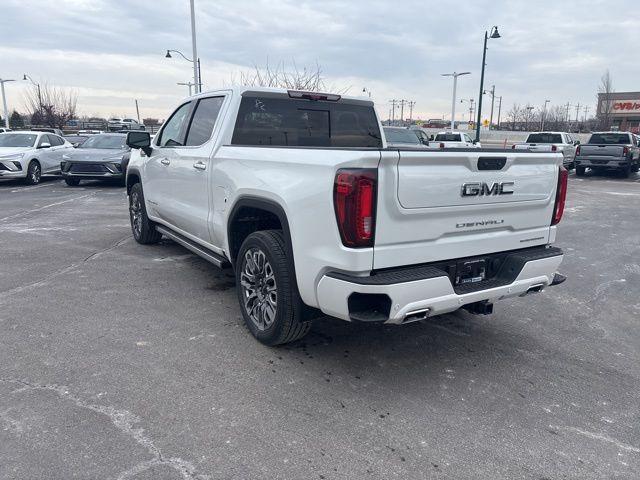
x: 415, y: 292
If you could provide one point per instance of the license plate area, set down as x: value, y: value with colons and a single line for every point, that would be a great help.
x: 470, y: 271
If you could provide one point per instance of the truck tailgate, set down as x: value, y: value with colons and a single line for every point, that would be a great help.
x: 612, y: 151
x: 443, y: 205
x: 534, y: 147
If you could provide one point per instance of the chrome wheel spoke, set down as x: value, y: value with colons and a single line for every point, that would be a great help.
x: 259, y: 288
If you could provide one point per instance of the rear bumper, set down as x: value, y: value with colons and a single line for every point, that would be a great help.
x: 602, y: 162
x: 401, y: 292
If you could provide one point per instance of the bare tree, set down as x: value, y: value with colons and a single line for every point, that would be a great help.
x: 605, y: 105
x: 51, y: 106
x: 514, y: 115
x: 309, y: 79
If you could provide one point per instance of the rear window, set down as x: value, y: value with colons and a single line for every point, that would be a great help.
x: 544, y: 138
x: 448, y: 137
x: 610, y: 139
x: 305, y: 123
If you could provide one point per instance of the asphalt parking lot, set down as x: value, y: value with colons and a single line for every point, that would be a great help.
x: 124, y: 361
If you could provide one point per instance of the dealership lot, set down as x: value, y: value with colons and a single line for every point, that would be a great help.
x: 124, y: 361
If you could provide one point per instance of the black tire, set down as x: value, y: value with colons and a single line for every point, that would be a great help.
x: 270, y: 302
x: 34, y: 173
x: 72, y: 182
x: 144, y: 230
x: 580, y: 171
x: 635, y: 168
x: 626, y: 171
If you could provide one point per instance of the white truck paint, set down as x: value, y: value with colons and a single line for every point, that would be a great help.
x: 443, y: 229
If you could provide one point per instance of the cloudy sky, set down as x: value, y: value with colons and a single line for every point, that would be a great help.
x: 112, y: 51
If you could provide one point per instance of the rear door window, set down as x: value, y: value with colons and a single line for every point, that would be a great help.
x: 203, y: 121
x: 55, y: 140
x: 283, y: 121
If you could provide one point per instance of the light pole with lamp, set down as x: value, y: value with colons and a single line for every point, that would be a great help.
x: 197, y: 78
x: 455, y: 76
x: 27, y: 77
x: 4, y: 102
x: 544, y: 115
x: 494, y: 34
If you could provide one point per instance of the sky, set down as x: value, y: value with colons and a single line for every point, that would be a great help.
x: 113, y: 51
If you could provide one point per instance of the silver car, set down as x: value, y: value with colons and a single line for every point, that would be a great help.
x: 100, y: 157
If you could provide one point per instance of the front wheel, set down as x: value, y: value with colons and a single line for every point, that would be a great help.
x: 267, y: 291
x: 144, y: 230
x: 34, y: 173
x: 72, y: 182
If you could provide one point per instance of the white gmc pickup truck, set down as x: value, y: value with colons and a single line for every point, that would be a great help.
x: 299, y: 194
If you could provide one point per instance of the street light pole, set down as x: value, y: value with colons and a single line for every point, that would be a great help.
x: 544, y: 115
x: 455, y: 76
x: 27, y: 77
x: 499, y: 111
x: 193, y: 43
x: 4, y: 102
x: 188, y: 84
x: 494, y: 34
x: 493, y: 100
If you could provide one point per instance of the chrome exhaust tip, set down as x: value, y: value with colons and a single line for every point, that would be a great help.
x: 416, y: 315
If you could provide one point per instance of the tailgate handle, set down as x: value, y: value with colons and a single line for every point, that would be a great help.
x: 491, y: 163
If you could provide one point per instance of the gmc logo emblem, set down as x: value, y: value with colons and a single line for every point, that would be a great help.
x: 478, y: 189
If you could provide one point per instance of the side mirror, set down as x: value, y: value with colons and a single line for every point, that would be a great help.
x: 474, y: 141
x: 576, y: 143
x: 139, y: 140
x: 75, y: 145
x: 431, y: 138
x: 44, y: 145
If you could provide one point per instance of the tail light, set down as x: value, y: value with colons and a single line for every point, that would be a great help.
x: 354, y: 200
x: 554, y: 148
x: 442, y: 145
x: 513, y: 147
x: 625, y: 150
x: 561, y: 195
x: 578, y: 150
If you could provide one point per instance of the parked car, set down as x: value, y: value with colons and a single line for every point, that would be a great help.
x: 116, y: 124
x: 100, y: 157
x: 89, y: 132
x: 609, y: 151
x: 55, y: 131
x: 3, y: 130
x: 454, y: 139
x: 560, y: 142
x: 76, y: 140
x: 298, y: 192
x: 29, y: 155
x: 404, y: 137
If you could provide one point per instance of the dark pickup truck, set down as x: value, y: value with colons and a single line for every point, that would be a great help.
x: 609, y: 151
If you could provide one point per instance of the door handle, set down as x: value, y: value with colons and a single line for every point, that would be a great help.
x: 200, y: 165
x: 165, y: 161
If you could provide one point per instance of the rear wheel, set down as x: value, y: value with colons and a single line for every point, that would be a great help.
x: 144, y: 230
x: 72, y: 182
x: 580, y: 171
x: 267, y: 291
x: 626, y: 171
x: 34, y: 173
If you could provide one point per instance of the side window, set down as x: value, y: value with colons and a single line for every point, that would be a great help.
x: 44, y: 139
x: 171, y: 134
x: 203, y: 121
x: 467, y: 138
x: 55, y: 140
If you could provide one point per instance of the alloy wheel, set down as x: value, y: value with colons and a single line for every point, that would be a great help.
x: 135, y: 209
x: 259, y: 289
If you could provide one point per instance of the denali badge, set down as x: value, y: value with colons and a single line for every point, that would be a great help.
x: 482, y: 223
x: 477, y: 189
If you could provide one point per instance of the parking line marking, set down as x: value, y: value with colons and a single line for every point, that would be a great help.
x: 26, y: 212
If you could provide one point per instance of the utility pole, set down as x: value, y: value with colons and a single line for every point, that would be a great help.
x: 4, y: 102
x: 568, y: 105
x: 393, y: 110
x: 137, y: 110
x: 577, y: 110
x: 411, y: 104
x: 402, y: 102
x: 499, y: 110
x: 196, y: 77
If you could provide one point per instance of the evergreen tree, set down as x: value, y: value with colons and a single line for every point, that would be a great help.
x: 16, y: 120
